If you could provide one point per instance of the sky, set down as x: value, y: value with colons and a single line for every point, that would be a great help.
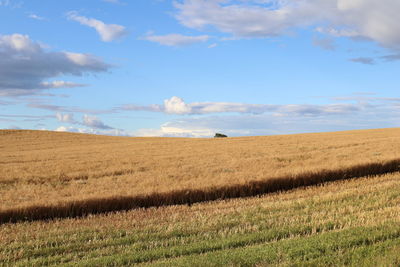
x: 191, y: 68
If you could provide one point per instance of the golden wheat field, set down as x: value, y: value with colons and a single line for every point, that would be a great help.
x: 42, y: 171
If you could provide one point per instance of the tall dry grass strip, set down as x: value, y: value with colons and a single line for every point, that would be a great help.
x: 189, y: 196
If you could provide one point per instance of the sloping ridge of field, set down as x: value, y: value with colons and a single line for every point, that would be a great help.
x: 55, y: 175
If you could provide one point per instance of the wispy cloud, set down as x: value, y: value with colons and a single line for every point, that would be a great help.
x: 68, y: 109
x: 364, y: 60
x: 176, y: 105
x: 176, y: 39
x: 36, y: 17
x: 113, y: 2
x: 107, y: 32
x: 392, y: 57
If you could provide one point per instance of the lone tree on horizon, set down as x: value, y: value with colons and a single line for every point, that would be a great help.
x: 220, y: 135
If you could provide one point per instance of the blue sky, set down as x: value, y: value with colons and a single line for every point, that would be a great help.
x: 196, y: 67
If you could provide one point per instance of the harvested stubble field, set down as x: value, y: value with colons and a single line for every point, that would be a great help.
x: 48, y: 175
x: 344, y: 223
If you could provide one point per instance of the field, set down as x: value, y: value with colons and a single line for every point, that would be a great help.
x: 47, y: 174
x: 308, y: 199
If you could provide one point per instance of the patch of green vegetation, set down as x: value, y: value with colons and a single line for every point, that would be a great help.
x: 356, y: 247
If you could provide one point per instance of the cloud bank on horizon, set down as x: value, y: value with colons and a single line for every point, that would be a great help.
x: 276, y: 66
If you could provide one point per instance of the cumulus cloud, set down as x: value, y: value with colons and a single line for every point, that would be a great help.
x: 25, y: 66
x: 362, y: 19
x: 176, y: 39
x: 176, y: 105
x: 107, y: 32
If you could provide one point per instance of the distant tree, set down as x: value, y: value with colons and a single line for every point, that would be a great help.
x: 220, y: 135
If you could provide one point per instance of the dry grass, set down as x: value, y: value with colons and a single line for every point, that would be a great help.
x: 47, y: 170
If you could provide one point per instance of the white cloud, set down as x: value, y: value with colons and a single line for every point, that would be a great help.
x: 67, y: 129
x: 176, y: 105
x: 176, y: 39
x: 18, y: 43
x: 36, y: 17
x: 69, y: 118
x: 366, y: 19
x: 89, y: 124
x: 82, y: 59
x: 107, y: 32
x: 242, y: 20
x: 25, y: 66
x: 94, y: 122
